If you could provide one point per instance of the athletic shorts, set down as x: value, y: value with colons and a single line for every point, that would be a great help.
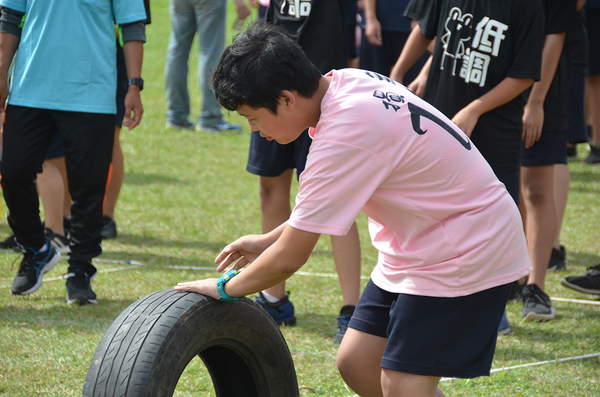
x: 56, y: 148
x: 120, y: 110
x: 269, y: 158
x: 432, y: 336
x: 592, y: 25
x: 510, y: 179
x: 549, y: 150
x: 577, y: 122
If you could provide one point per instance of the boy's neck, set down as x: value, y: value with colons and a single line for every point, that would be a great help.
x: 316, y: 100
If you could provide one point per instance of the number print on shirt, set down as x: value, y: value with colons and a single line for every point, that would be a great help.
x: 296, y: 8
x: 417, y: 112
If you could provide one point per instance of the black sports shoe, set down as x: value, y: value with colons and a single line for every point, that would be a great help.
x: 558, y: 259
x: 9, y: 243
x: 33, y: 267
x: 516, y: 289
x: 589, y: 283
x: 343, y: 320
x: 282, y: 311
x: 594, y: 156
x: 60, y: 243
x: 109, y: 230
x: 536, y: 304
x: 79, y: 288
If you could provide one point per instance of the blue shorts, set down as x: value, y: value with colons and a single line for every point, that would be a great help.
x: 269, y: 158
x: 431, y: 336
x: 56, y: 148
x: 549, y: 150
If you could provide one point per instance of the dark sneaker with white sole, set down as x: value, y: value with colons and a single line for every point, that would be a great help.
x: 536, y: 304
x: 109, y: 229
x: 588, y: 283
x: 33, y: 267
x: 558, y: 259
x: 60, y: 243
x: 79, y: 287
x: 10, y: 243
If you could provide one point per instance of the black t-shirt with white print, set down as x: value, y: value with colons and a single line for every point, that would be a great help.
x: 479, y: 43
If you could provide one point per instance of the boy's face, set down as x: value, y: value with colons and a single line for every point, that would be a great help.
x: 282, y: 127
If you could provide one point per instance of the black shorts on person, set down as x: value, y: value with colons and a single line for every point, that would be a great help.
x: 549, y: 150
x: 269, y: 158
x: 56, y: 148
x: 433, y: 336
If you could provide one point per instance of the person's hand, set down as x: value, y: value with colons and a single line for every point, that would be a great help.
x: 417, y: 86
x: 373, y: 32
x: 533, y: 122
x: 241, y: 252
x: 466, y: 120
x: 133, y: 105
x: 242, y: 9
x: 206, y: 287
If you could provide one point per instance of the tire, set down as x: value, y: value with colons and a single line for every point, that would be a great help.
x: 146, y: 349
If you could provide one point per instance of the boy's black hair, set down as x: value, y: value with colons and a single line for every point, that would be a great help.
x: 260, y: 63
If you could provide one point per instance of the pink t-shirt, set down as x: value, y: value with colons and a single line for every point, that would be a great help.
x: 442, y: 222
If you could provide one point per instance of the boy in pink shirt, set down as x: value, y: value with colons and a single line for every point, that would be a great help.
x: 449, y: 235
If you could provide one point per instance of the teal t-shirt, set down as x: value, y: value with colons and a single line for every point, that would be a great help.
x: 66, y: 58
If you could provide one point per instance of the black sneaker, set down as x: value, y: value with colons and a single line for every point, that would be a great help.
x: 109, y: 230
x: 282, y: 311
x: 10, y: 243
x: 516, y: 290
x: 594, y: 156
x: 571, y: 152
x: 33, y: 267
x: 60, y: 243
x: 558, y: 259
x: 589, y: 283
x: 79, y: 288
x: 343, y: 320
x: 536, y: 304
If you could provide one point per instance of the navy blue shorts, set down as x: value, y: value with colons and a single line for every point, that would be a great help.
x: 431, y: 336
x: 549, y: 150
x: 577, y: 122
x: 269, y: 158
x: 56, y: 148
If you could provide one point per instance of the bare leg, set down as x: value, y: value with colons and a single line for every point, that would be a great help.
x: 561, y: 194
x: 592, y: 88
x: 401, y: 384
x: 116, y: 181
x: 538, y: 192
x: 275, y: 207
x: 50, y: 187
x: 62, y: 168
x: 346, y: 254
x: 359, y: 359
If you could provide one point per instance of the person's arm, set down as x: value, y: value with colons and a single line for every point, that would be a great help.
x: 508, y: 89
x: 133, y: 49
x: 417, y: 86
x: 372, y: 24
x: 533, y: 113
x: 415, y: 46
x: 10, y: 36
x: 279, y: 261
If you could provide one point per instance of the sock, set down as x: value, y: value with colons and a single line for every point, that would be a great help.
x: 270, y: 298
x: 347, y: 310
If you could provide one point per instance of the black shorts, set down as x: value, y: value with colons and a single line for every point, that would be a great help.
x: 431, y: 336
x: 120, y: 110
x: 592, y: 25
x: 577, y: 122
x: 549, y: 150
x: 510, y: 179
x: 269, y: 158
x: 56, y: 149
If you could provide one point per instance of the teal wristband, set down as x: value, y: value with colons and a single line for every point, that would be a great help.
x: 221, y: 284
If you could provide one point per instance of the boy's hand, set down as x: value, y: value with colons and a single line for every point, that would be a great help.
x: 466, y: 120
x: 533, y: 122
x: 206, y: 287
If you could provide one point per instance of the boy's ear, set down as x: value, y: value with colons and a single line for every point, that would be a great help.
x: 288, y: 99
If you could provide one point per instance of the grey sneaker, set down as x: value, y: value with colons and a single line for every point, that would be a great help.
x: 220, y: 127
x: 588, y: 283
x: 536, y: 304
x: 185, y: 125
x: 33, y: 267
x: 109, y: 229
x: 79, y: 288
x: 594, y: 156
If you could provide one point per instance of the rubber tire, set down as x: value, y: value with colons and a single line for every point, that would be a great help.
x: 146, y: 349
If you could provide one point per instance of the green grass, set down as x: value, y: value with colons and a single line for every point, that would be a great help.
x: 185, y: 196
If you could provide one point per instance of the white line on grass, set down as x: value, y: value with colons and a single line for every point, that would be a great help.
x: 584, y: 302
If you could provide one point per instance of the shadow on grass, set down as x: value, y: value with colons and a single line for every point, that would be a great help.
x: 134, y: 178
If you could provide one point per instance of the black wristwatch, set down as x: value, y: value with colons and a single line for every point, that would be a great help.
x: 137, y: 81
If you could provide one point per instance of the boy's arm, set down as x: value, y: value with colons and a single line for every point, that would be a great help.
x: 274, y: 265
x: 417, y: 86
x: 372, y: 24
x: 134, y: 54
x: 533, y: 113
x: 508, y: 89
x: 415, y: 46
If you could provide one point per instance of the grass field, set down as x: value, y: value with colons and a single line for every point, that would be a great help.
x: 186, y: 195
